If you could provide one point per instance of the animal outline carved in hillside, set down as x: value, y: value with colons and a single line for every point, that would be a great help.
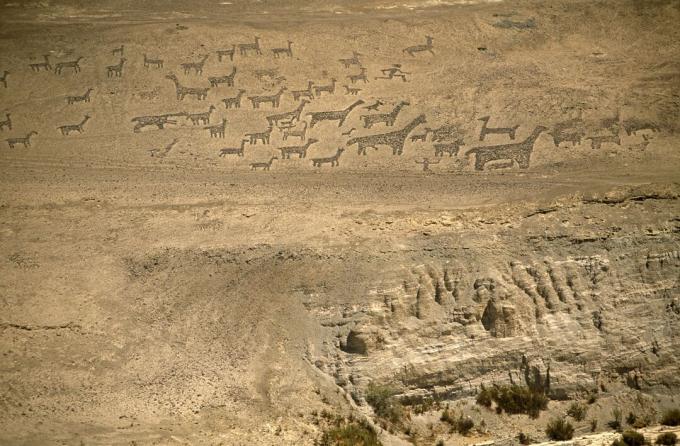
x: 70, y: 128
x: 354, y: 60
x: 634, y: 125
x: 229, y: 52
x: 234, y: 102
x: 451, y: 148
x: 42, y: 65
x: 201, y: 118
x: 333, y: 115
x: 359, y: 77
x: 227, y: 79
x: 287, y: 51
x: 155, y: 120
x: 274, y: 99
x: 82, y: 98
x: 519, y: 152
x: 196, y: 66
x: 264, y: 165
x: 162, y: 153
x: 598, y: 141
x: 387, y: 118
x: 25, y: 141
x: 217, y: 131
x: 329, y: 88
x: 352, y: 91
x: 332, y: 160
x: 239, y: 151
x: 182, y: 91
x: 300, y: 150
x: 308, y: 93
x: 115, y: 70
x: 73, y: 64
x: 290, y: 117
x: 299, y: 133
x: 411, y: 50
x: 265, y: 136
x: 243, y: 48
x: 510, y: 131
x: 157, y: 63
x: 395, y: 139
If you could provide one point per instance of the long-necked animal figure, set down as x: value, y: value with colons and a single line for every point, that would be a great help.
x: 239, y: 151
x: 182, y: 92
x: 70, y: 128
x: 243, y: 48
x: 334, y: 115
x: 196, y: 66
x: 234, y: 102
x: 332, y: 160
x: 263, y: 165
x: 274, y: 99
x: 411, y: 50
x: 300, y: 150
x: 330, y: 88
x: 287, y: 51
x: 229, y: 52
x: 227, y: 79
x: 291, y: 116
x: 201, y: 118
x: 265, y: 136
x: 387, y: 118
x: 299, y: 133
x: 82, y: 98
x: 217, y: 131
x: 354, y: 60
x: 395, y: 139
x: 308, y: 93
x: 510, y: 131
x: 519, y: 152
x: 116, y: 70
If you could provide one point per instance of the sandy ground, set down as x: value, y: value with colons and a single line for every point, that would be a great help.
x: 181, y: 299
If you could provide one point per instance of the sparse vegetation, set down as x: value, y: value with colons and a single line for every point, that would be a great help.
x: 616, y: 422
x: 558, y: 429
x: 671, y: 417
x: 350, y: 433
x: 514, y: 399
x: 631, y: 418
x: 632, y: 438
x: 385, y: 405
x: 524, y: 438
x: 462, y: 425
x: 667, y: 439
x: 577, y: 411
x: 593, y: 425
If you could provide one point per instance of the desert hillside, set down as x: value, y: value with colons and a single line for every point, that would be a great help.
x: 282, y: 223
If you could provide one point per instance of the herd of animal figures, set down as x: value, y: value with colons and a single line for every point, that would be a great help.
x: 447, y: 139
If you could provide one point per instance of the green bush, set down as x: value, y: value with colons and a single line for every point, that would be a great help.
x: 523, y: 438
x: 462, y: 425
x: 667, y: 439
x: 559, y: 430
x: 385, y: 405
x: 356, y: 433
x: 514, y: 399
x: 616, y: 422
x: 671, y: 418
x: 577, y: 411
x: 633, y: 438
x: 484, y: 397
